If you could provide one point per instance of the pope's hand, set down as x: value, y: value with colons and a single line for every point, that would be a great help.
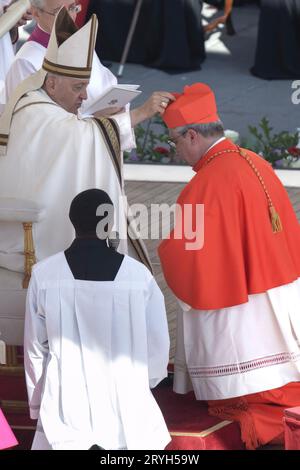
x: 108, y: 112
x: 26, y: 17
x: 156, y: 104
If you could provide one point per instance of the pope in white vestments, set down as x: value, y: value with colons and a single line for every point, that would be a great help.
x: 29, y: 58
x: 50, y: 155
x: 96, y: 340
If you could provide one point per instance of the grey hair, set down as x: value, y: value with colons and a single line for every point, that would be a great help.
x: 38, y: 3
x: 51, y: 74
x: 212, y: 129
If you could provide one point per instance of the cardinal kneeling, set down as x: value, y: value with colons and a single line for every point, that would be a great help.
x: 238, y: 335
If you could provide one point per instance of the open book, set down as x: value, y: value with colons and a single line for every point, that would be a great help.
x: 116, y: 96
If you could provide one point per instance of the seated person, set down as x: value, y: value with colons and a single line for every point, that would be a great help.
x: 168, y: 35
x: 96, y: 340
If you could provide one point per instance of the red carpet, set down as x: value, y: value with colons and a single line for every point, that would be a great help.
x: 190, y: 425
x: 188, y: 421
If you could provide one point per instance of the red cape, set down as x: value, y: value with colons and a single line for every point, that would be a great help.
x: 241, y: 255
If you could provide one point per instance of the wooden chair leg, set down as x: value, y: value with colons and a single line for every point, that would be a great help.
x: 11, y: 356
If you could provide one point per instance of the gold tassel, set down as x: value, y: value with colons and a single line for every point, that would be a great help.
x: 26, y: 281
x: 275, y: 220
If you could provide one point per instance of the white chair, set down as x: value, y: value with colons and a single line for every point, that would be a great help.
x: 17, y: 217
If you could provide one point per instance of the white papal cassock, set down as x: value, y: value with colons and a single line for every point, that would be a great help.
x: 91, y: 351
x: 52, y: 155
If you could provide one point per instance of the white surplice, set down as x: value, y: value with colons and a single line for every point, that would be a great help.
x: 7, y: 52
x: 6, y: 58
x: 240, y: 350
x: 52, y: 156
x: 29, y: 60
x: 6, y: 55
x: 92, y: 352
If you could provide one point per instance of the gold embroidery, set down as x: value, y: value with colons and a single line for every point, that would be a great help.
x: 73, y: 72
x: 92, y: 41
x: 29, y: 253
x: 113, y: 137
x: 3, y: 139
x: 204, y: 433
x: 111, y: 140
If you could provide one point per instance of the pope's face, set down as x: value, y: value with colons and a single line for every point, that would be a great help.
x: 69, y: 93
x: 45, y: 16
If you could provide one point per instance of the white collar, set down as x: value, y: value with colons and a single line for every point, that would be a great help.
x: 216, y: 143
x: 42, y: 29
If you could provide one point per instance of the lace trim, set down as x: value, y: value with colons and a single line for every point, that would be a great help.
x: 243, y: 367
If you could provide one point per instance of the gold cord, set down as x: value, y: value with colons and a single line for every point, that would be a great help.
x: 274, y: 216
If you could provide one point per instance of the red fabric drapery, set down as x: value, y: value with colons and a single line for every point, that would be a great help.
x: 260, y: 415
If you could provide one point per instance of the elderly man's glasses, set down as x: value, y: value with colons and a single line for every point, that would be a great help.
x: 74, y: 8
x: 173, y: 142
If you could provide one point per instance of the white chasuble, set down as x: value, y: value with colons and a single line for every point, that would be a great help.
x: 92, y: 352
x: 52, y: 156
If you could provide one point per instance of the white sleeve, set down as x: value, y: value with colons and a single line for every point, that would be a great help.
x: 35, y: 349
x: 6, y: 55
x: 127, y: 136
x: 18, y: 71
x: 157, y: 335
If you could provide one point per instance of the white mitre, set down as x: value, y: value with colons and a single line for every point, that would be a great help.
x: 69, y: 54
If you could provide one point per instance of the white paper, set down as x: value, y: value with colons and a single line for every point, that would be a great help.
x: 12, y: 15
x: 116, y: 96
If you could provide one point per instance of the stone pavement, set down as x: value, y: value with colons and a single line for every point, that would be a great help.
x: 242, y: 98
